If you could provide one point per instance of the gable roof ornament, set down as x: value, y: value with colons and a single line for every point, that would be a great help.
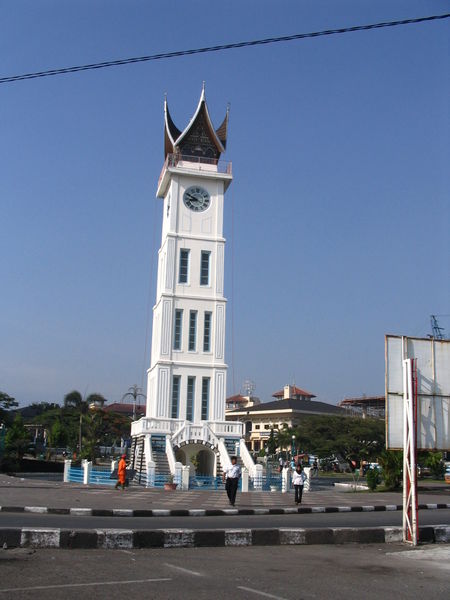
x: 199, y: 139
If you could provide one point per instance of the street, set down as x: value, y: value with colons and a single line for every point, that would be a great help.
x: 289, y: 573
x: 347, y: 519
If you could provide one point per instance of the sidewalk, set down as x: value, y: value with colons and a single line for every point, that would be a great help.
x: 17, y: 493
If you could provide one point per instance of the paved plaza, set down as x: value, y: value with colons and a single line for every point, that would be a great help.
x: 17, y: 491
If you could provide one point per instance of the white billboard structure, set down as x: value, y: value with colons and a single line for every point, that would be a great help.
x: 433, y: 391
x: 417, y: 409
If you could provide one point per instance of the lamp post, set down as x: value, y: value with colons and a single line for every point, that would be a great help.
x: 293, y: 448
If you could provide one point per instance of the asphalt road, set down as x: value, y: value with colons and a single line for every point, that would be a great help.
x: 363, y: 519
x: 290, y: 573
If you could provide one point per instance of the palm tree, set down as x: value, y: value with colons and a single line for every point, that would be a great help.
x: 135, y: 392
x: 284, y: 437
x: 81, y: 406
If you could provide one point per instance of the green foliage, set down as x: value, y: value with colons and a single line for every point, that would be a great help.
x: 271, y: 444
x: 351, y: 438
x: 57, y: 435
x: 6, y: 404
x: 436, y: 465
x: 74, y: 401
x: 372, y: 479
x: 391, y: 462
x: 17, y: 438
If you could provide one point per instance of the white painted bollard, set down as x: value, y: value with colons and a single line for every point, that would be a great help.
x: 87, y: 467
x: 244, y: 480
x: 307, y: 484
x: 185, y: 472
x: 151, y: 469
x: 258, y: 477
x: 67, y: 464
x: 285, y: 480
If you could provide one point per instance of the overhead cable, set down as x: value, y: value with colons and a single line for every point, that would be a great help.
x: 220, y: 48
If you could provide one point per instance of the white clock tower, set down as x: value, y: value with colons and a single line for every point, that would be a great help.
x: 186, y: 388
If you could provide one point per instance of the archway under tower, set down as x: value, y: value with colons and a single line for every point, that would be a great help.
x: 201, y: 458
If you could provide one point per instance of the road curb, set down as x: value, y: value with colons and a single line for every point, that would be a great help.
x: 205, y: 512
x: 116, y: 539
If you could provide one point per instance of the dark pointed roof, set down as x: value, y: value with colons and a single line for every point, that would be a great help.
x: 199, y: 138
x: 296, y: 405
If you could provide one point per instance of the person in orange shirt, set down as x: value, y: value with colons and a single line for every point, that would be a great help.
x: 122, y: 472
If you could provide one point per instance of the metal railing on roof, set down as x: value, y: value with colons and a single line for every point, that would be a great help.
x: 198, y: 163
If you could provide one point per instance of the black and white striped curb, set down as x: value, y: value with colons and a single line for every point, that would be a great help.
x: 207, y: 512
x: 191, y: 538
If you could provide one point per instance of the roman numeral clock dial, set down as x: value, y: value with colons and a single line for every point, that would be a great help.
x: 196, y: 198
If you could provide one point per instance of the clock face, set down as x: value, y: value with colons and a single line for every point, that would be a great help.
x: 196, y: 198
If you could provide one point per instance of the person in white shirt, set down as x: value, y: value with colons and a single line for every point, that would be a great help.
x: 298, y: 481
x: 231, y: 477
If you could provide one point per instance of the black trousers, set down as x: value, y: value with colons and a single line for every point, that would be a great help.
x: 231, y: 485
x: 298, y: 493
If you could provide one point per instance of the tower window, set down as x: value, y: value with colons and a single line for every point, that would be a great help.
x: 205, y: 397
x: 175, y: 396
x: 207, y: 332
x: 204, y: 268
x: 192, y: 330
x: 177, y: 329
x: 184, y: 266
x: 190, y: 398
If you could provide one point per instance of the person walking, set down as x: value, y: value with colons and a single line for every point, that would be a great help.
x: 231, y: 476
x: 122, y: 472
x: 298, y: 481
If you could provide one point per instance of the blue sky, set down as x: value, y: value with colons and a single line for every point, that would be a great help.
x: 337, y: 219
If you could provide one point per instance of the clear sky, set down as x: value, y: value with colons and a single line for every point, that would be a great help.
x: 338, y: 217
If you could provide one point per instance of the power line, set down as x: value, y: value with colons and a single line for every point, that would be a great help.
x: 222, y: 47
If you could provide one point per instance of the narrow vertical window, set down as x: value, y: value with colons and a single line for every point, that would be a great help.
x: 207, y: 332
x: 177, y: 329
x: 204, y: 268
x: 192, y: 330
x: 175, y: 401
x: 205, y: 398
x: 190, y: 398
x: 184, y: 266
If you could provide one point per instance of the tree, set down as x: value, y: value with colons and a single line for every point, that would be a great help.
x: 75, y: 401
x: 57, y: 434
x: 436, y: 465
x: 6, y: 403
x: 16, y: 439
x: 135, y: 392
x: 391, y: 463
x: 283, y: 437
x: 271, y: 444
x: 349, y: 438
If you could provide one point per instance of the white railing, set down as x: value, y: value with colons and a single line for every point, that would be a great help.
x: 155, y: 425
x: 174, y: 426
x: 170, y: 455
x: 190, y: 431
x: 227, y: 428
x: 199, y: 163
x: 246, y: 458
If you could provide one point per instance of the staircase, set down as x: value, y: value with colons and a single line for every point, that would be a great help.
x: 162, y: 469
x: 137, y: 460
x: 230, y: 445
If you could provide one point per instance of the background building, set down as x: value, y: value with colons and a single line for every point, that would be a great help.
x: 291, y: 404
x: 366, y: 406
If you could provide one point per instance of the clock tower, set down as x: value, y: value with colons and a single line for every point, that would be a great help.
x: 186, y: 388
